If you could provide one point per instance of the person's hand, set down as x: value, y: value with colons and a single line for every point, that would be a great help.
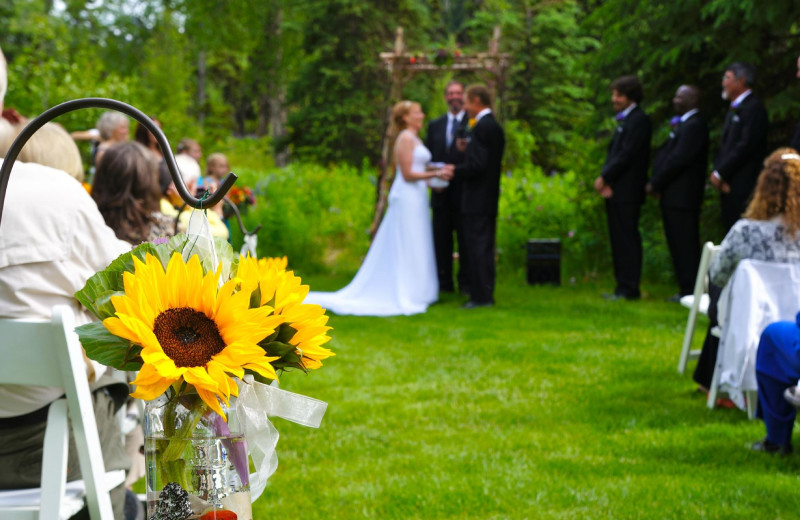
x: 606, y: 192
x: 599, y: 184
x: 648, y: 188
x: 461, y: 144
x: 724, y: 187
x: 715, y: 181
x: 446, y: 172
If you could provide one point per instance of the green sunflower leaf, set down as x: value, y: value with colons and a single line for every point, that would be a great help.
x: 97, y: 291
x: 285, y: 333
x: 278, y: 348
x: 110, y: 350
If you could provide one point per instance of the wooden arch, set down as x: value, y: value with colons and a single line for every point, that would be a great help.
x: 402, y: 65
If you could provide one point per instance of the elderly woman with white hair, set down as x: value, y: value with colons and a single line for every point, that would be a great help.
x: 114, y: 128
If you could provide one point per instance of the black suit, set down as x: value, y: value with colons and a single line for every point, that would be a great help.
x: 679, y: 176
x: 446, y: 206
x: 480, y: 174
x: 625, y: 170
x: 795, y: 142
x: 740, y: 155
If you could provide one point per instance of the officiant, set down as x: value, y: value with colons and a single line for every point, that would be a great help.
x: 441, y: 138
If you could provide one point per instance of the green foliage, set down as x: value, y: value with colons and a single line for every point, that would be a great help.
x: 536, y: 206
x: 341, y: 90
x: 692, y: 41
x: 545, y: 84
x: 318, y: 217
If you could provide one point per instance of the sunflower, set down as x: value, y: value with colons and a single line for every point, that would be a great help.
x: 284, y: 291
x: 190, y: 329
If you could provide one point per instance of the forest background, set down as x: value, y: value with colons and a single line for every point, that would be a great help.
x: 295, y: 93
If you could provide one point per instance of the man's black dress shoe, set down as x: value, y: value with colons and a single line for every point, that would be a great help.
x: 766, y: 446
x: 474, y: 305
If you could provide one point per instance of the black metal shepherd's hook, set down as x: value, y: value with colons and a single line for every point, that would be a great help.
x: 111, y: 104
x: 235, y: 210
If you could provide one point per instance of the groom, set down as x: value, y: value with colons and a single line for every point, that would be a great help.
x: 480, y: 177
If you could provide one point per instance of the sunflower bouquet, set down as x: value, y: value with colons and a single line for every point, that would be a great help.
x: 199, y: 328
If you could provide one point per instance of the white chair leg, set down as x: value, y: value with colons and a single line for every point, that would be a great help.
x: 54, y: 460
x: 687, y: 339
x: 711, y: 402
x: 752, y: 403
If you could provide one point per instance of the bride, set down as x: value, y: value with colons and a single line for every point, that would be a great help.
x: 398, y: 275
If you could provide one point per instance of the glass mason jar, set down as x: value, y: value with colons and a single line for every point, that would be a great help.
x: 190, y: 445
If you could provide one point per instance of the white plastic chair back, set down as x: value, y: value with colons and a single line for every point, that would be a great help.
x: 697, y: 303
x: 49, y: 354
x: 758, y: 293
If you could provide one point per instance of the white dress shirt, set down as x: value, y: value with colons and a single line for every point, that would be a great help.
x: 52, y: 239
x: 452, y: 120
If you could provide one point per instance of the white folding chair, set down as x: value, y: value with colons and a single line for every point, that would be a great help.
x: 40, y: 353
x: 697, y: 303
x: 757, y: 294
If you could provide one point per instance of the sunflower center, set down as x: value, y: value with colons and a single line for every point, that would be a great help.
x: 189, y: 338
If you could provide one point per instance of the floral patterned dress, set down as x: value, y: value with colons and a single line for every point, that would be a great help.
x: 765, y: 240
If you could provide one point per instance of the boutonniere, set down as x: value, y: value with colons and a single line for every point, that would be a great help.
x: 471, y: 123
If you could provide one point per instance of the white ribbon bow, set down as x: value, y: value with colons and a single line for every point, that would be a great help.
x: 256, y: 403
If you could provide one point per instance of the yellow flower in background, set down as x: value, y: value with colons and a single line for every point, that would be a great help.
x: 190, y: 330
x: 284, y: 291
x: 472, y: 122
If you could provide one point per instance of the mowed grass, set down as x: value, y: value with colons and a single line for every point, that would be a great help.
x: 553, y: 404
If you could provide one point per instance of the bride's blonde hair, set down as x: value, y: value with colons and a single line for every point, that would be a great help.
x: 397, y: 124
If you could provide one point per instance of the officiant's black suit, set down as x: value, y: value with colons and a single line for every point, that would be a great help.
x: 480, y: 174
x: 740, y: 156
x: 679, y: 176
x: 446, y: 206
x: 625, y: 170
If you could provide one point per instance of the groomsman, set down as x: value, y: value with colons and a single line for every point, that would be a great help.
x: 795, y: 143
x: 679, y: 175
x: 480, y: 173
x: 744, y: 143
x: 622, y: 184
x: 446, y: 202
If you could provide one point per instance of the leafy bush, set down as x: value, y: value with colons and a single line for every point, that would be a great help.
x: 317, y: 216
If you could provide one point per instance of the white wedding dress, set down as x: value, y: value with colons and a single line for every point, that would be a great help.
x: 398, y: 275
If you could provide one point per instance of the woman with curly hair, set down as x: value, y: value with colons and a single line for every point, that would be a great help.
x: 769, y: 231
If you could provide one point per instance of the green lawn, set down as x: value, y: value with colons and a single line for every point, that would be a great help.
x: 553, y: 404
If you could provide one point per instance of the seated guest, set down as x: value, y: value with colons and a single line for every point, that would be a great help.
x: 52, y: 240
x: 217, y: 167
x: 51, y: 146
x: 143, y: 136
x: 191, y: 148
x: 126, y: 191
x: 173, y: 206
x: 777, y: 368
x: 768, y: 232
x: 114, y: 128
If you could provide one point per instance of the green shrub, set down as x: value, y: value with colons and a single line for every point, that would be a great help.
x: 317, y: 216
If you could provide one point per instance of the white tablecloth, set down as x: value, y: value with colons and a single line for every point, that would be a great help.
x: 758, y: 293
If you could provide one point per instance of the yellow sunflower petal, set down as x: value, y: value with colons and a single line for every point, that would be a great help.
x: 210, y: 398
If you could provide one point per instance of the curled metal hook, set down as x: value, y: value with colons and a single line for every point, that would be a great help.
x: 111, y: 104
x: 235, y: 210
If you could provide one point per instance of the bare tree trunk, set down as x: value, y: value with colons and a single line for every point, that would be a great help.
x: 201, y: 87
x: 276, y: 100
